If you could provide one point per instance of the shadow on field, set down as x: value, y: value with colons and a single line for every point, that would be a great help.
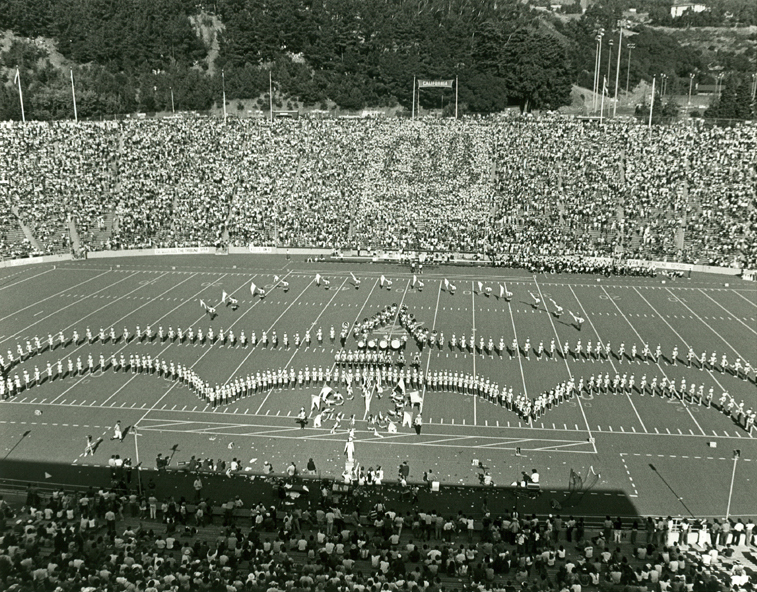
x: 16, y: 476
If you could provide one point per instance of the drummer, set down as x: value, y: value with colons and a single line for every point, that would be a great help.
x: 401, y: 360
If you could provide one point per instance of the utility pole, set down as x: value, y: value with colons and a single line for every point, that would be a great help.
x: 617, y: 69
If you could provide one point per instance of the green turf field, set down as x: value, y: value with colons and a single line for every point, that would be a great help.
x: 617, y: 436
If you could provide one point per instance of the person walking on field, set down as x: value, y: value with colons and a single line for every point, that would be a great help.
x: 117, y: 433
x: 90, y: 449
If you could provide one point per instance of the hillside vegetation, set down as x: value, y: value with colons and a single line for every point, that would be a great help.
x: 150, y: 55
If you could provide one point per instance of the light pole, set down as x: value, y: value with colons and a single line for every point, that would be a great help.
x: 597, y: 61
x: 754, y: 87
x: 691, y: 84
x: 719, y: 86
x: 631, y: 47
x: 736, y: 456
x: 609, y: 62
x: 617, y: 68
x: 223, y: 85
x: 651, y: 103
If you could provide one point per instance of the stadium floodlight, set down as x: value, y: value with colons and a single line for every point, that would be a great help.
x: 631, y: 47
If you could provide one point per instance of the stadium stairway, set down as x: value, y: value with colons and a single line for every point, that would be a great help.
x: 14, y: 235
x: 102, y: 236
x: 73, y: 233
x: 27, y: 233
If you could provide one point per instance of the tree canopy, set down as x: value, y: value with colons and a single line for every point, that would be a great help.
x: 130, y: 55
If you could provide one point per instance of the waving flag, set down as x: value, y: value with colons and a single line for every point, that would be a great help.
x: 202, y: 303
x: 224, y: 296
x: 415, y: 280
x: 416, y: 398
x: 401, y: 385
x: 276, y: 279
x: 480, y: 286
x: 317, y: 279
x: 446, y: 284
x: 501, y: 291
x: 407, y: 419
x: 253, y: 288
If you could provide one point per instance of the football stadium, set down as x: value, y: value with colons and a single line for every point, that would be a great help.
x: 378, y: 355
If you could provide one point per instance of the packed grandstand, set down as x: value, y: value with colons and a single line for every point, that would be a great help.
x: 507, y: 187
x: 117, y: 540
x: 518, y: 190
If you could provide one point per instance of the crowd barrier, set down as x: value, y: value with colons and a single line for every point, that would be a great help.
x: 34, y: 260
x: 365, y: 255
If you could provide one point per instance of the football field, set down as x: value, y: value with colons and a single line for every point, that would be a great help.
x: 666, y: 455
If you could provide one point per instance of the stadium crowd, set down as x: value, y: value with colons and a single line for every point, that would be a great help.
x: 120, y: 539
x: 529, y: 191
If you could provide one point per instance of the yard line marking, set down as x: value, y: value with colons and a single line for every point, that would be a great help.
x: 254, y: 347
x: 473, y: 312
x: 657, y: 363
x: 517, y: 353
x: 74, y: 304
x: 711, y: 329
x: 709, y: 371
x: 565, y: 360
x: 428, y: 361
x: 333, y: 366
x: 171, y: 422
x: 324, y: 435
x: 136, y: 423
x: 336, y: 293
x: 555, y: 447
x: 124, y: 345
x: 29, y: 278
x: 636, y: 411
x: 357, y: 317
x: 744, y: 297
